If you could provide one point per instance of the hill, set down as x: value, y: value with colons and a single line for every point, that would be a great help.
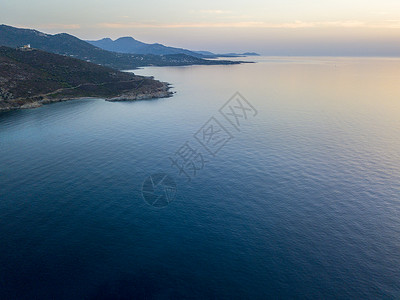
x: 30, y: 78
x: 66, y: 44
x: 132, y: 46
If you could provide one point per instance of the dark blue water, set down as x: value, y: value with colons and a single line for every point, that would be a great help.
x: 302, y: 202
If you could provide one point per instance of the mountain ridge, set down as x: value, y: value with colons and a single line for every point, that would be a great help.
x: 69, y: 45
x: 130, y: 45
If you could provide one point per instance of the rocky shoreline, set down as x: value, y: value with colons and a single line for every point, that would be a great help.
x: 160, y: 92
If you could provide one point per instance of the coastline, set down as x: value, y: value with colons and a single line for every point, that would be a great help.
x: 160, y: 92
x: 163, y: 91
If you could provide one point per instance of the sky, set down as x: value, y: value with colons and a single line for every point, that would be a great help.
x: 269, y: 27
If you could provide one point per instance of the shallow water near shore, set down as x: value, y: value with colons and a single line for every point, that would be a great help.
x: 303, y: 199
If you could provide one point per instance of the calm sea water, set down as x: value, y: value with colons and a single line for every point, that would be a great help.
x: 303, y: 201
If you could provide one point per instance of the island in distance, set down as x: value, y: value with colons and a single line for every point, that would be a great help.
x: 30, y: 78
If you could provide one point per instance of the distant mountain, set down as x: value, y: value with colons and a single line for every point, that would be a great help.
x: 66, y: 44
x: 29, y: 78
x: 251, y: 54
x: 205, y: 53
x: 132, y: 46
x: 238, y: 54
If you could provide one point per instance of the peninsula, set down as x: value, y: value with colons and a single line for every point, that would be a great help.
x: 30, y: 78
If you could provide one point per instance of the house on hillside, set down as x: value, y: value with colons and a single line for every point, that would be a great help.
x: 26, y: 47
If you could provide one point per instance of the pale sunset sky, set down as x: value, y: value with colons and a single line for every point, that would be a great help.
x: 274, y: 27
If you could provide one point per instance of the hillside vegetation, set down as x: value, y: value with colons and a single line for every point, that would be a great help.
x: 31, y: 78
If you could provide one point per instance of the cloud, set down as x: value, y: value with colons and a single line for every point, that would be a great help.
x: 251, y: 24
x: 215, y: 12
x: 175, y: 25
x: 58, y: 26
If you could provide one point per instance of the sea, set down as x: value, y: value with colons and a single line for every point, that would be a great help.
x: 278, y: 179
